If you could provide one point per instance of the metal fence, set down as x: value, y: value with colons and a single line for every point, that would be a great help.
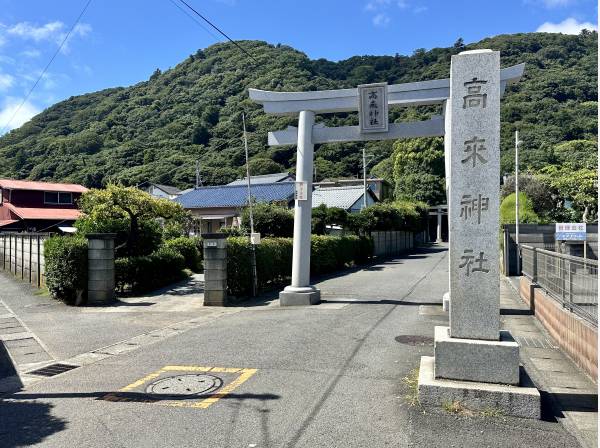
x: 572, y: 281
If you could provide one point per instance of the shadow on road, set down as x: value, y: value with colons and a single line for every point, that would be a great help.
x: 382, y: 302
x: 139, y: 397
x: 25, y: 423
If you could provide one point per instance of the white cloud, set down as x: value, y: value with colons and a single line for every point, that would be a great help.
x: 32, y: 53
x: 381, y: 19
x: 402, y: 4
x: 6, y: 81
x: 23, y: 115
x: 549, y: 4
x: 556, y: 3
x: 51, y: 31
x: 567, y: 26
x: 37, y: 33
x: 376, y: 5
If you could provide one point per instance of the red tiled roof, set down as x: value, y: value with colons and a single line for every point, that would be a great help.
x: 44, y: 213
x: 43, y: 186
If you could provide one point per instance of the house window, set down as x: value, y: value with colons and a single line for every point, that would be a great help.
x: 55, y: 197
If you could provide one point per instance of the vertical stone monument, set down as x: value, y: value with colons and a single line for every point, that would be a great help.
x: 101, y: 268
x: 475, y: 362
x: 215, y: 269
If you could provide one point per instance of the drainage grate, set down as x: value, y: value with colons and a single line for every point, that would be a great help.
x: 414, y: 339
x: 185, y: 385
x: 53, y: 369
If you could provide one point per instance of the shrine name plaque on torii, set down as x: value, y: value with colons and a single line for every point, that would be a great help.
x: 307, y: 104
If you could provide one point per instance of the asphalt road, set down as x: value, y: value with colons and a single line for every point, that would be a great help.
x: 322, y: 376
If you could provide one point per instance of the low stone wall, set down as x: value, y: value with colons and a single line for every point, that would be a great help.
x: 390, y: 242
x: 23, y: 255
x: 575, y: 336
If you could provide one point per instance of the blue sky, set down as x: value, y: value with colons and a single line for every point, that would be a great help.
x: 121, y: 42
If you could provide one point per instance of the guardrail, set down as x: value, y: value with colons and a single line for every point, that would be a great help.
x: 572, y: 281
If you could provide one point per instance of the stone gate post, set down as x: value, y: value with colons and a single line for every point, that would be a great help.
x: 101, y: 268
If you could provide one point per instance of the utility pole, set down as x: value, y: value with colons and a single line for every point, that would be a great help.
x: 517, y: 201
x: 198, y: 179
x: 254, y: 276
x: 364, y: 164
x: 364, y: 178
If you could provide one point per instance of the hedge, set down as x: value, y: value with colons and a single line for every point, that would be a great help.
x: 274, y: 259
x: 149, y: 272
x: 190, y: 249
x: 66, y: 262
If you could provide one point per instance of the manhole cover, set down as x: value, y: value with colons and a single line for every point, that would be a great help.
x: 185, y: 385
x: 414, y: 339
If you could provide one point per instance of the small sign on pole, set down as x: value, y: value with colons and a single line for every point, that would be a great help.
x: 570, y: 231
x: 373, y: 107
x: 255, y: 238
x: 300, y: 193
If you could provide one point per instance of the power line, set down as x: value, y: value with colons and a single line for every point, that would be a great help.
x: 194, y: 19
x: 220, y: 31
x: 47, y: 66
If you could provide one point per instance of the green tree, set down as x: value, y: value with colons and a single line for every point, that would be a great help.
x: 118, y: 206
x: 419, y: 170
x: 578, y: 186
x: 526, y: 213
x: 269, y: 220
x: 259, y: 166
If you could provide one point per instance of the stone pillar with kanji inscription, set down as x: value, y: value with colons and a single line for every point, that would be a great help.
x: 475, y: 362
x: 474, y: 195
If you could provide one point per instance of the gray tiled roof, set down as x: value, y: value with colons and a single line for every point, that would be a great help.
x: 262, y: 179
x: 342, y: 197
x: 236, y: 195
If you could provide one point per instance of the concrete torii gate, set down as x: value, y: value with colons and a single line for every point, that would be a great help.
x: 306, y: 105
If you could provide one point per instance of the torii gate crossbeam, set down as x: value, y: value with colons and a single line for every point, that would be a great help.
x: 306, y: 105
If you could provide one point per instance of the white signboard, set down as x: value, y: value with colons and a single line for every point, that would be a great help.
x: 570, y: 231
x: 300, y: 193
x: 373, y: 107
x: 255, y: 238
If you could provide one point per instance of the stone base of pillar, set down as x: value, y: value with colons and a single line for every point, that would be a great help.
x: 299, y: 296
x: 501, y: 399
x: 476, y: 360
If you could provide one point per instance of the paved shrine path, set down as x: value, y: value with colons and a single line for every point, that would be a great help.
x: 324, y: 376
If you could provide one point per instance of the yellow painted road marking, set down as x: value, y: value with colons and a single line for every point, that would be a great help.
x: 245, y: 374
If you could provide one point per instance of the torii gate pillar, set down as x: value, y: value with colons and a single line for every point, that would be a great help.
x: 300, y: 292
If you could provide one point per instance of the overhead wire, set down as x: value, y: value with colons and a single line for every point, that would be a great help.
x: 242, y: 49
x: 178, y: 6
x: 62, y: 44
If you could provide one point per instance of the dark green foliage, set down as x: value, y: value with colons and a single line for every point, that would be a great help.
x: 323, y: 216
x: 262, y: 165
x: 156, y: 130
x: 191, y: 250
x: 539, y: 193
x: 274, y: 259
x: 399, y: 215
x: 66, y: 259
x: 418, y: 170
x: 269, y: 220
x: 145, y: 273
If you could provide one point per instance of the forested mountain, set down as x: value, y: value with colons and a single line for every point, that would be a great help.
x: 157, y: 129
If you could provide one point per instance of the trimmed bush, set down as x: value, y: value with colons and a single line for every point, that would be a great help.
x: 190, y: 249
x: 149, y: 272
x: 274, y: 259
x: 269, y: 220
x: 526, y: 213
x: 66, y: 259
